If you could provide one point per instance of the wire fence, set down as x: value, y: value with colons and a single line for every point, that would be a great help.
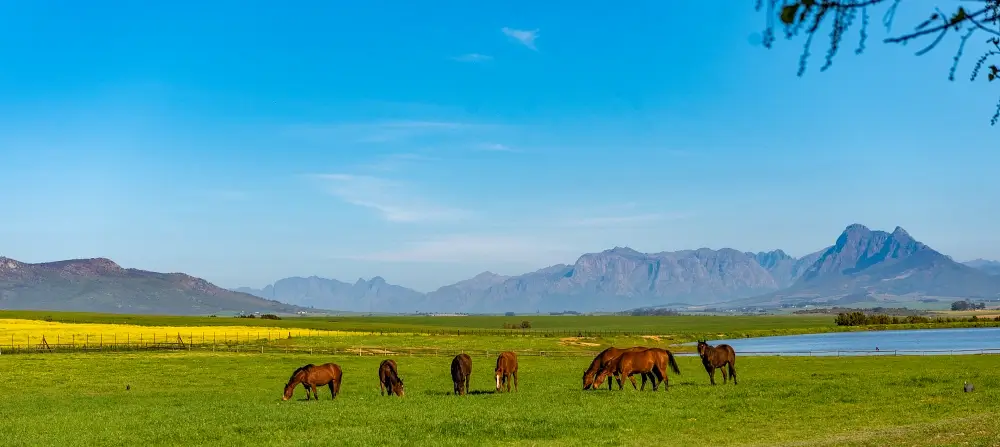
x: 248, y: 346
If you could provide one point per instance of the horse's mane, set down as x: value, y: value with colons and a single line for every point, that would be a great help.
x: 298, y: 370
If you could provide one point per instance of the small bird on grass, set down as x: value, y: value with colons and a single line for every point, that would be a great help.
x: 969, y: 387
x: 128, y: 387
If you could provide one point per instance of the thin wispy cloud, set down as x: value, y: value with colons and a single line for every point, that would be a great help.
x: 473, y: 57
x: 524, y: 37
x: 496, y: 147
x: 462, y: 248
x: 394, y: 201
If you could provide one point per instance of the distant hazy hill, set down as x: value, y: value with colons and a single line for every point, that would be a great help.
x: 991, y: 267
x: 861, y: 263
x: 374, y: 295
x: 100, y: 285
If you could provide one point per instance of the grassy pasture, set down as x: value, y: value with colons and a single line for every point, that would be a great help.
x: 429, y: 324
x: 234, y: 399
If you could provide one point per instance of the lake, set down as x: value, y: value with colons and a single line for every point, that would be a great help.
x: 908, y: 342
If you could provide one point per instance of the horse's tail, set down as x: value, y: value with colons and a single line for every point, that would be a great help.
x: 673, y: 362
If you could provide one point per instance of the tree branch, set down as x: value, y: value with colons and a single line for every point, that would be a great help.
x: 809, y: 15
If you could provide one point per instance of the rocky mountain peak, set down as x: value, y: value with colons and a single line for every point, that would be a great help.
x: 859, y: 248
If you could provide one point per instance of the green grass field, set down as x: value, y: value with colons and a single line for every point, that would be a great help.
x: 664, y: 325
x: 234, y: 399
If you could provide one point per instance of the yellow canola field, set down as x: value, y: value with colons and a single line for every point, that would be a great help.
x: 15, y: 332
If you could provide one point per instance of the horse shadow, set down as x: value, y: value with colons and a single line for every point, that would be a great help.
x: 452, y: 393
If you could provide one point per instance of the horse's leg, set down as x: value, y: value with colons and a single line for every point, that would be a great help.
x: 732, y: 371
x: 315, y: 394
x: 333, y: 393
x: 711, y: 374
x: 468, y: 378
x: 631, y: 378
x: 643, y: 387
x: 725, y: 376
x: 381, y: 387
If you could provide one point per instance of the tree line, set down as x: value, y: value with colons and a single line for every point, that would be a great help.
x: 863, y: 319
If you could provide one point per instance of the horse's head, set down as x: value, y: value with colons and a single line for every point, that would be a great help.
x: 602, y: 375
x: 398, y: 386
x: 588, y: 380
x: 702, y: 347
x: 297, y: 377
x: 289, y: 389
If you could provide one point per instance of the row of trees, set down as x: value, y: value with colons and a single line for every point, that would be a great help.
x: 967, y: 305
x: 863, y: 319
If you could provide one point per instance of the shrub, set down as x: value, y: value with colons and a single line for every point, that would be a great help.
x: 270, y: 317
x: 525, y: 324
x: 862, y: 319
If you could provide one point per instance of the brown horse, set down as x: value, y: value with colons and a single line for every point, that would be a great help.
x: 717, y: 357
x: 663, y: 356
x: 311, y: 376
x: 652, y: 361
x: 461, y: 369
x: 388, y: 378
x: 506, y: 370
x: 605, y: 357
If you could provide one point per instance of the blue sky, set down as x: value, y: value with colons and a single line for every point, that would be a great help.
x: 244, y: 141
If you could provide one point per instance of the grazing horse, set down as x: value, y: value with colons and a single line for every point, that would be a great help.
x: 506, y: 370
x: 388, y: 378
x: 638, y: 362
x: 717, y: 357
x: 311, y: 376
x: 605, y: 357
x: 461, y: 369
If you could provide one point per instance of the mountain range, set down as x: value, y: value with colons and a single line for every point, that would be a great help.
x: 100, y: 285
x: 860, y: 265
x: 991, y: 267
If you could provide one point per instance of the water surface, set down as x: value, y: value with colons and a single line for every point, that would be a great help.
x: 908, y: 342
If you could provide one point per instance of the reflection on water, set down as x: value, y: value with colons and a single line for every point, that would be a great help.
x: 909, y: 342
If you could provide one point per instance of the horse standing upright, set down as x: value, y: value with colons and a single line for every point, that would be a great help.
x: 388, y: 378
x: 506, y: 370
x: 461, y: 369
x: 311, y: 376
x: 718, y: 357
